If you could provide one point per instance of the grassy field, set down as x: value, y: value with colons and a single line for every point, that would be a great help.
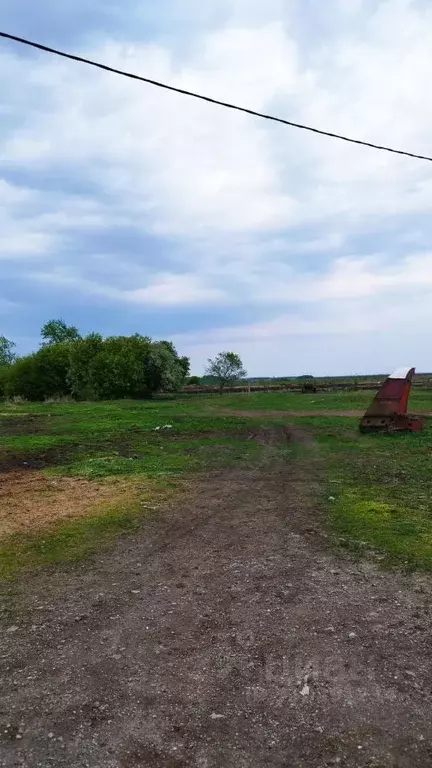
x: 110, y: 464
x: 102, y: 442
x: 420, y: 400
x: 379, y: 490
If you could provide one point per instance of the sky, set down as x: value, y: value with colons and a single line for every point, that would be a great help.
x: 125, y: 208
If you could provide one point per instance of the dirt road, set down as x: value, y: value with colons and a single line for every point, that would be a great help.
x: 228, y: 633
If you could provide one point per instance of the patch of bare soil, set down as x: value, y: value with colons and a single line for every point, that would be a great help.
x: 26, y: 460
x: 270, y: 435
x: 24, y: 424
x: 226, y: 634
x: 62, y: 453
x: 29, y: 500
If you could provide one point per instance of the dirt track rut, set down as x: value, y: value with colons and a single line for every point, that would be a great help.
x: 227, y: 633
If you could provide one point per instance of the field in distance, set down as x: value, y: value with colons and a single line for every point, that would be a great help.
x: 75, y: 475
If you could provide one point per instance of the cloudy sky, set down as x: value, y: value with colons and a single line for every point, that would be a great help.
x: 124, y: 208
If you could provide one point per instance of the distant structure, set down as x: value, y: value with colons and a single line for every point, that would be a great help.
x: 308, y: 383
x: 308, y: 386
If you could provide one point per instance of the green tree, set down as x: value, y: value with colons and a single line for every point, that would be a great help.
x: 124, y: 366
x: 93, y: 368
x: 194, y: 381
x: 7, y: 355
x: 4, y: 371
x: 57, y: 332
x: 184, y: 363
x: 40, y: 375
x: 226, y: 368
x: 117, y: 368
x: 81, y: 375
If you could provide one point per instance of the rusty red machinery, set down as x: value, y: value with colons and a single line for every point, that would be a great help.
x: 388, y: 410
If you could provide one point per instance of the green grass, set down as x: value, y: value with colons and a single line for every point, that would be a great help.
x: 345, y: 400
x: 382, y: 485
x: 99, y: 440
x: 67, y: 541
x: 166, y: 457
x: 382, y: 490
x: 86, y: 416
x: 121, y: 438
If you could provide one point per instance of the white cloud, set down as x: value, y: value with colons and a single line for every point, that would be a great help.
x: 183, y: 165
x: 174, y: 290
x: 351, y: 278
x: 163, y: 290
x: 248, y: 205
x: 357, y: 311
x: 188, y: 166
x: 19, y: 235
x: 18, y: 244
x: 34, y: 222
x: 350, y: 337
x: 348, y: 298
x: 11, y: 195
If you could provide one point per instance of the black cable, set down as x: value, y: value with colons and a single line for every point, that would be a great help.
x: 156, y: 83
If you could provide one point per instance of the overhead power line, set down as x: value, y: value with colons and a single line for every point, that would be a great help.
x: 209, y: 99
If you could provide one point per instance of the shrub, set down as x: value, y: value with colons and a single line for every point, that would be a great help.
x: 40, y: 375
x: 124, y: 366
x: 194, y: 381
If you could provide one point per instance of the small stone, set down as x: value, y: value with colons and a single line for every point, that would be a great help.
x: 331, y: 498
x: 18, y: 736
x: 216, y: 716
x: 305, y: 690
x: 135, y: 591
x: 50, y: 735
x: 352, y: 635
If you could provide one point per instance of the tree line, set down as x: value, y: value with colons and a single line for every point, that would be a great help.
x: 90, y: 367
x: 96, y: 368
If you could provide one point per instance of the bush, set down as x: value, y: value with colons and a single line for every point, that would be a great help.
x: 194, y: 381
x: 40, y: 375
x: 124, y: 366
x: 3, y: 380
x: 93, y: 368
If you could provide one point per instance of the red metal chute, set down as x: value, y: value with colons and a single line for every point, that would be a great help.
x: 388, y: 411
